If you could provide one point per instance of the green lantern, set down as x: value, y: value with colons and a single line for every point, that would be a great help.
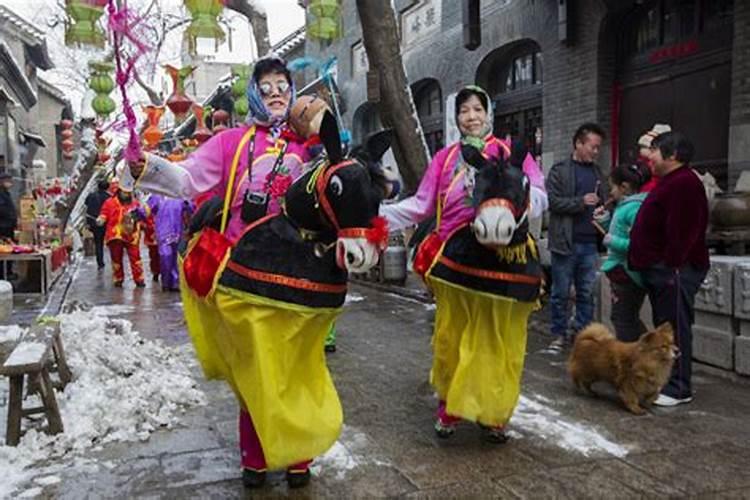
x: 81, y: 27
x: 102, y: 83
x: 325, y: 22
x: 241, y: 74
x: 204, y: 22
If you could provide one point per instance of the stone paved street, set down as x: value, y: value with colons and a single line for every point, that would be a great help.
x: 563, y: 445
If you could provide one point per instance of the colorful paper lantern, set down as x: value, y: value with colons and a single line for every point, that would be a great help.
x: 102, y: 83
x: 325, y: 22
x: 241, y: 74
x: 220, y: 120
x: 153, y: 134
x: 81, y: 27
x: 202, y: 133
x: 178, y: 102
x: 204, y: 24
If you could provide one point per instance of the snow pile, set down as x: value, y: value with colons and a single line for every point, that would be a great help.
x: 538, y: 418
x: 124, y: 388
x: 10, y: 333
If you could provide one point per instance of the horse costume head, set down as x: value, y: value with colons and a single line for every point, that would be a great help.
x: 338, y: 200
x: 502, y: 197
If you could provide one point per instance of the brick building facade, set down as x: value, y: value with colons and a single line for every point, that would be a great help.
x: 550, y: 66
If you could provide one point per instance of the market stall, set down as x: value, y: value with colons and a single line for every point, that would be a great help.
x: 40, y: 253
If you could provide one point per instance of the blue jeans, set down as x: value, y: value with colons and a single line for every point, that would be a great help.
x: 578, y: 269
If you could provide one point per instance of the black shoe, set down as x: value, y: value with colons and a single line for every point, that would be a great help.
x: 100, y: 266
x: 444, y: 431
x: 140, y: 284
x: 118, y: 284
x: 494, y: 435
x: 297, y: 479
x: 330, y: 348
x: 252, y: 478
x: 156, y: 277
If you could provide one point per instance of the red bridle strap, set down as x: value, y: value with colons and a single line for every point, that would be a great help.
x: 502, y: 202
x: 320, y: 188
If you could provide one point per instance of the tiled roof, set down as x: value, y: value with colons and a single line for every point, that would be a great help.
x: 50, y: 89
x: 30, y: 33
x: 16, y: 78
x: 291, y: 42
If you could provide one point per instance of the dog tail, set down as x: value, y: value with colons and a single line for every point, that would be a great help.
x: 595, y: 332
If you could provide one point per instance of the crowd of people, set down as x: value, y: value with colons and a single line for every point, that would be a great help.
x: 650, y: 216
x: 118, y: 219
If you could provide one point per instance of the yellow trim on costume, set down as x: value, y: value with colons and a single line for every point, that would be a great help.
x: 257, y: 299
x: 232, y: 174
x: 143, y: 172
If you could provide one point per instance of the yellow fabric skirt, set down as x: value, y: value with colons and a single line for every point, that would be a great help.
x: 271, y: 354
x: 479, y: 345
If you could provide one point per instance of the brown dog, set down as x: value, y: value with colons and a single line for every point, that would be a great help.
x: 638, y: 370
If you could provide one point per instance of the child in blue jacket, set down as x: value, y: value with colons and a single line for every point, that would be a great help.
x: 627, y: 287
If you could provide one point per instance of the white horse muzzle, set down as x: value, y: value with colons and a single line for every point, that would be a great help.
x: 494, y: 226
x: 356, y: 255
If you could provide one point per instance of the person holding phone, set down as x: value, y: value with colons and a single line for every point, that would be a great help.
x: 575, y: 187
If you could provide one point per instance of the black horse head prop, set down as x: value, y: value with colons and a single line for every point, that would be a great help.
x: 502, y: 197
x: 338, y: 199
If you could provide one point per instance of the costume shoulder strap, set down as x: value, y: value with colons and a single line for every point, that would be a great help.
x: 232, y: 174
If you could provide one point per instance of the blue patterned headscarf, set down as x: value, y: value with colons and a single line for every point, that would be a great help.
x: 259, y: 114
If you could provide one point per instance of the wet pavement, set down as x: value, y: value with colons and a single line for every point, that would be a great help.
x: 564, y: 445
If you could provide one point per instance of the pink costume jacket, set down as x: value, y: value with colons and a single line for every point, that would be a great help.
x: 448, y: 179
x: 207, y: 170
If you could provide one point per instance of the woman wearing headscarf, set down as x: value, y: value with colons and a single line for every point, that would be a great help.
x: 447, y: 189
x: 268, y: 158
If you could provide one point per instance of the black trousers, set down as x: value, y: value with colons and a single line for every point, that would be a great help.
x: 672, y: 295
x: 627, y: 300
x: 98, y: 232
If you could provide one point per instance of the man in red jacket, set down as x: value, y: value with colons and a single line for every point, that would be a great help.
x: 122, y: 215
x: 668, y: 243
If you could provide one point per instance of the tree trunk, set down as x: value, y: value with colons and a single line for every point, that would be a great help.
x: 258, y: 21
x: 380, y: 37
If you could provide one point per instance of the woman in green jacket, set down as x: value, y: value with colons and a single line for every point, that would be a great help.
x: 627, y: 288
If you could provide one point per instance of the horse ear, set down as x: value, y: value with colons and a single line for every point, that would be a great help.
x: 378, y: 144
x: 473, y: 157
x: 329, y: 136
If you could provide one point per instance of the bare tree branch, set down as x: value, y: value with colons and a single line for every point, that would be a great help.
x: 154, y: 96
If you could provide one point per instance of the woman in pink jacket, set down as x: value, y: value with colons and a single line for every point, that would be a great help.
x: 446, y: 190
x: 271, y: 157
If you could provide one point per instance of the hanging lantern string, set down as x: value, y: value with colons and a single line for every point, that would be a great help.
x: 122, y: 26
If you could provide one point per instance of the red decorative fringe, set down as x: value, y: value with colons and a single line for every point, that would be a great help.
x: 378, y: 232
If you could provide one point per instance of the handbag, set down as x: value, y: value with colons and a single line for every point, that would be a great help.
x: 209, y: 249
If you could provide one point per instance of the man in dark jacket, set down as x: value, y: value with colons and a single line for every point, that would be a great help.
x: 575, y: 187
x: 668, y: 243
x: 94, y: 202
x: 8, y: 214
x: 8, y: 217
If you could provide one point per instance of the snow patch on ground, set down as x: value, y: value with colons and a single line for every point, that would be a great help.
x: 124, y: 388
x: 10, y: 333
x: 353, y: 297
x: 535, y: 416
x: 352, y: 450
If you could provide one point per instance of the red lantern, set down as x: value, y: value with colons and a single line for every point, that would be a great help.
x: 220, y: 119
x: 201, y: 134
x: 179, y: 103
x: 152, y: 135
x: 66, y: 134
x: 67, y: 145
